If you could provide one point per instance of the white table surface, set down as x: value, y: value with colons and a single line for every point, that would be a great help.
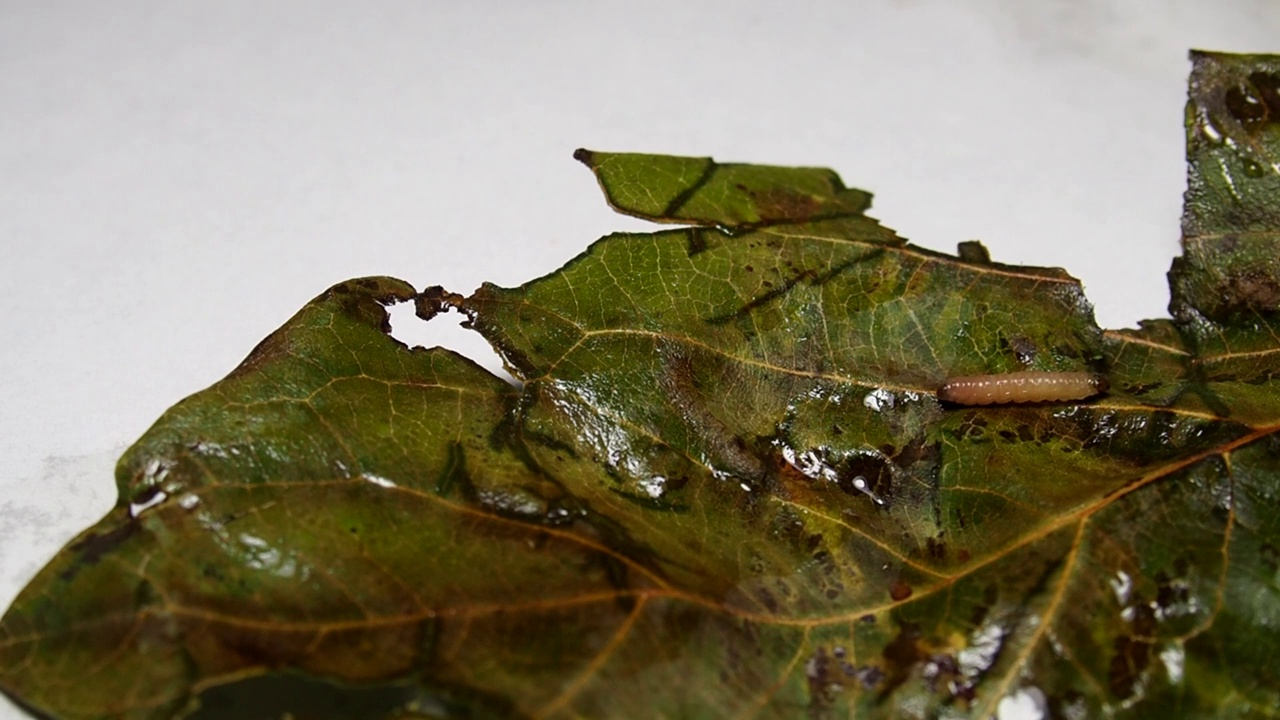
x: 176, y: 179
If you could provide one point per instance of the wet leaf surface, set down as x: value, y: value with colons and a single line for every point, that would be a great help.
x: 725, y: 487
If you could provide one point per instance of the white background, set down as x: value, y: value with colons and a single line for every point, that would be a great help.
x: 176, y: 179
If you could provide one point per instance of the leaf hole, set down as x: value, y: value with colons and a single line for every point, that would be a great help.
x: 445, y: 331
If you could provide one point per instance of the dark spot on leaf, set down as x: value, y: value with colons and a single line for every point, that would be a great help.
x: 1172, y: 592
x: 1270, y: 557
x: 697, y: 241
x: 817, y: 672
x: 1267, y: 85
x: 96, y: 546
x: 1246, y: 108
x: 935, y: 548
x: 870, y: 676
x: 902, y: 654
x: 1132, y: 652
x: 767, y: 600
x: 873, y: 470
x: 1180, y: 566
x: 454, y: 475
x: 1254, y: 103
x: 899, y: 590
x: 979, y: 614
x: 1024, y: 349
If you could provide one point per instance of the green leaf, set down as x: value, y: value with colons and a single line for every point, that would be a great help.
x: 1226, y: 286
x: 724, y: 488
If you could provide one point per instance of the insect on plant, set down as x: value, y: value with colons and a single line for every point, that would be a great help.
x: 1022, y: 387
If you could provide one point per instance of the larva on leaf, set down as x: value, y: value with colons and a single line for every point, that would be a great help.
x: 1021, y: 387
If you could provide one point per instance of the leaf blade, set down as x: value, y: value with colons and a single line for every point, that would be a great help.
x: 725, y: 487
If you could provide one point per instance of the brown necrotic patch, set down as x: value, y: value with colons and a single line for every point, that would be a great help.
x: 1245, y: 293
x: 779, y: 203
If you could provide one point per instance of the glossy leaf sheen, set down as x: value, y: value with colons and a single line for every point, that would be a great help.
x: 725, y: 489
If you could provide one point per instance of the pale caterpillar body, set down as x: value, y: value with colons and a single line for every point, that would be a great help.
x: 1022, y: 387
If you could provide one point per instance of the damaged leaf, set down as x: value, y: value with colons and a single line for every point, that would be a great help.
x: 724, y: 487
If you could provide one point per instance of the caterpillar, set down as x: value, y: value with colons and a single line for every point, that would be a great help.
x: 1022, y: 387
